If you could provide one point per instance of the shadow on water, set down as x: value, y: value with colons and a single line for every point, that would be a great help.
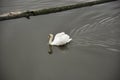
x: 62, y: 48
x: 50, y: 50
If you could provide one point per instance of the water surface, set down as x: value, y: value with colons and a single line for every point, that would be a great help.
x: 94, y: 53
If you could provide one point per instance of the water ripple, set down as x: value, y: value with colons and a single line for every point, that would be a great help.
x: 100, y: 33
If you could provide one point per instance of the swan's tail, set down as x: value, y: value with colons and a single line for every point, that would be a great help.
x: 69, y: 40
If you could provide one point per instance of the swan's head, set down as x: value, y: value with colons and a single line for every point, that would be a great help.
x: 50, y: 36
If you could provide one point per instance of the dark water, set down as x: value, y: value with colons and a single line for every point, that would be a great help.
x: 94, y: 53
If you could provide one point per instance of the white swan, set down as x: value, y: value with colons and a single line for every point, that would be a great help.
x: 59, y: 39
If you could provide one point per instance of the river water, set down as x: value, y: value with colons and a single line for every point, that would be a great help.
x: 93, y: 54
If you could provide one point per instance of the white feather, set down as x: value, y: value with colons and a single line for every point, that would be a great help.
x: 61, y: 39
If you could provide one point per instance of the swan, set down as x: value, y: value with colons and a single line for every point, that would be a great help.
x: 59, y: 39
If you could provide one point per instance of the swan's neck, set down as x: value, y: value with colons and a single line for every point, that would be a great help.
x: 50, y: 39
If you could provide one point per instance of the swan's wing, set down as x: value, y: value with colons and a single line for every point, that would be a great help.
x: 61, y: 39
x: 57, y: 37
x: 59, y: 34
x: 66, y: 38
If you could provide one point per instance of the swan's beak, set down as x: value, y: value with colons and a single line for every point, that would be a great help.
x: 48, y: 36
